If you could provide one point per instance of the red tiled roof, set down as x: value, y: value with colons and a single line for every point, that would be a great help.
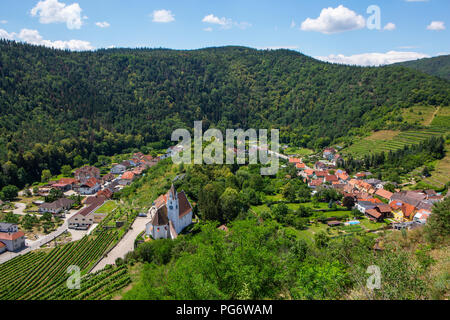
x: 300, y: 165
x: 128, y: 175
x: 331, y: 178
x: 374, y: 213
x: 91, y: 182
x: 2, y: 244
x: 183, y: 203
x: 373, y: 200
x: 408, y: 209
x: 11, y: 236
x: 68, y: 181
x: 384, y: 194
x: 316, y: 182
x: 295, y: 160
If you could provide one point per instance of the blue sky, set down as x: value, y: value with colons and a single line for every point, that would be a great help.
x: 330, y: 30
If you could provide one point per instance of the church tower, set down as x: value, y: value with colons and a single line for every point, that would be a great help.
x: 173, y: 210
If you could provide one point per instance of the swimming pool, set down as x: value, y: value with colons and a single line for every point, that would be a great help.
x: 353, y: 222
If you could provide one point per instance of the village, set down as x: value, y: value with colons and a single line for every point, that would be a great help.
x: 75, y: 206
x: 402, y: 209
x: 79, y: 199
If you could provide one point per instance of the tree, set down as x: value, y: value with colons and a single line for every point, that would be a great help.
x: 321, y: 239
x: 78, y: 161
x: 46, y: 175
x: 289, y: 192
x: 9, y: 192
x: 93, y: 158
x: 230, y: 204
x: 437, y: 229
x: 348, y: 202
x: 54, y: 195
x: 208, y: 203
x: 66, y: 170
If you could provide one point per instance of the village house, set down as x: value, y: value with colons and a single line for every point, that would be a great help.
x: 127, y: 178
x: 86, y: 216
x: 57, y: 206
x: 384, y: 194
x: 319, y: 165
x: 90, y: 186
x: 11, y: 238
x: 170, y: 214
x: 108, y: 178
x: 85, y: 173
x: 422, y: 216
x: 118, y: 169
x: 65, y: 184
x: 328, y: 153
x: 402, y: 211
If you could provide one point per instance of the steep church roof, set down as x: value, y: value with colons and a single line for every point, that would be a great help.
x: 160, y: 218
x: 183, y: 204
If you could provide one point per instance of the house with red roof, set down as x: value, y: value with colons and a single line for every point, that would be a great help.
x: 127, y: 178
x: 90, y: 186
x: 11, y: 238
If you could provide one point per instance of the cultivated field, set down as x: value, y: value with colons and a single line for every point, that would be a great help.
x: 384, y: 141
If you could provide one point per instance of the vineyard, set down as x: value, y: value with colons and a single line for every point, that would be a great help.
x: 369, y: 146
x: 40, y: 274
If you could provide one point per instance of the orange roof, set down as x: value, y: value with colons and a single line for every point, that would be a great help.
x: 91, y: 182
x: 374, y: 213
x: 342, y: 176
x: 396, y: 204
x: 316, y: 182
x: 2, y: 244
x: 408, y: 209
x: 300, y: 165
x: 373, y: 200
x: 295, y: 160
x: 384, y: 194
x: 11, y: 236
x: 128, y: 175
x: 309, y: 172
x: 67, y: 180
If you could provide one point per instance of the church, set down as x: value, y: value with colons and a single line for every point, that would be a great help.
x: 170, y: 214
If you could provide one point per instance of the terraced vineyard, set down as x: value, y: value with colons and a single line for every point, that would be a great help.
x: 36, y: 275
x: 395, y: 142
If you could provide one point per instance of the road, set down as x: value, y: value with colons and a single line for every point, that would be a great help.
x: 125, y: 245
x: 33, y: 245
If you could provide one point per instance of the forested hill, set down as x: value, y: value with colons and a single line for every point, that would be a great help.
x: 55, y: 105
x: 437, y: 66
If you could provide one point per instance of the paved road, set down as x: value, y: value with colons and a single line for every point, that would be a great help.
x: 125, y: 245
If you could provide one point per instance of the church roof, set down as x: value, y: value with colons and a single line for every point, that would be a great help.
x: 160, y: 218
x: 173, y: 191
x: 183, y: 204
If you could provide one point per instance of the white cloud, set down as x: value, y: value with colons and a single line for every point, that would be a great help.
x: 163, y: 16
x: 52, y: 11
x: 3, y: 21
x: 33, y: 37
x: 374, y: 59
x: 333, y: 20
x: 5, y: 35
x: 208, y: 29
x: 225, y: 23
x: 390, y: 26
x: 103, y: 24
x: 436, y: 26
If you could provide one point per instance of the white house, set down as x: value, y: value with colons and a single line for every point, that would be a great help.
x: 90, y: 187
x: 170, y: 214
x: 118, y: 169
x: 11, y: 238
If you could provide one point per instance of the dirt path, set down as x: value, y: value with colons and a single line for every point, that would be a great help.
x: 428, y: 122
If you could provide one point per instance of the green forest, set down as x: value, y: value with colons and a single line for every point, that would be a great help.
x: 61, y: 108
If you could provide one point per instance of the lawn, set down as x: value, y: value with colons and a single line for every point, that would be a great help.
x: 297, y: 151
x: 107, y: 207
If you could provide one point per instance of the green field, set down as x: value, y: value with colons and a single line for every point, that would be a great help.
x: 293, y: 151
x: 378, y: 145
x: 107, y: 207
